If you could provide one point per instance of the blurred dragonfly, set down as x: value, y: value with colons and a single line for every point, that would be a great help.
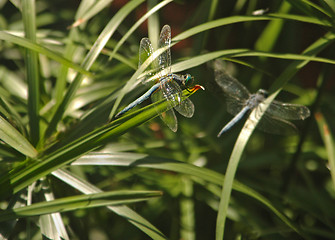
x: 240, y: 102
x: 168, y: 85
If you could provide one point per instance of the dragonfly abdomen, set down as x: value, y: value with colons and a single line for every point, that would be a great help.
x: 138, y: 101
x: 236, y: 119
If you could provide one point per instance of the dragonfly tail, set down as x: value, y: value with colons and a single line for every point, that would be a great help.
x: 235, y: 120
x: 138, y: 101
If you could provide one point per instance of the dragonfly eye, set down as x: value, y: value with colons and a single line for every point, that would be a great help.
x: 188, y: 79
x: 263, y: 92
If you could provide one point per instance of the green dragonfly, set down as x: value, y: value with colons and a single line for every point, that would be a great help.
x: 168, y: 85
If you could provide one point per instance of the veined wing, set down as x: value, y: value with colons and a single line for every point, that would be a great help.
x: 145, y: 52
x: 168, y: 117
x: 288, y: 111
x: 236, y: 94
x: 230, y: 85
x: 271, y: 124
x: 234, y: 105
x: 170, y: 88
x: 173, y: 93
x: 164, y: 59
x: 185, y: 108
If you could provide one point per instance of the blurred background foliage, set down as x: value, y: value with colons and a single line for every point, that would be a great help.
x: 284, y: 184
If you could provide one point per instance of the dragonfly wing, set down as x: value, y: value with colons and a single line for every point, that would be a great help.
x: 173, y: 93
x: 168, y: 117
x: 185, y: 108
x: 171, y: 90
x: 288, y: 111
x: 164, y: 59
x: 276, y: 125
x: 236, y: 94
x: 145, y: 52
x: 234, y: 105
x: 229, y: 85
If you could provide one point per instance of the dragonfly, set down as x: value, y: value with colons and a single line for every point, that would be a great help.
x: 168, y: 85
x: 240, y: 102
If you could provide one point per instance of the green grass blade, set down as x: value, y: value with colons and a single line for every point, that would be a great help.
x: 31, y: 59
x: 290, y: 71
x: 198, y: 60
x: 300, y: 18
x: 249, y: 127
x: 26, y: 43
x: 86, y: 10
x: 52, y: 225
x: 23, y: 177
x: 89, y: 60
x: 201, y: 59
x: 331, y: 4
x: 153, y: 25
x: 124, y: 211
x: 83, y: 8
x: 77, y: 202
x: 90, y: 11
x: 14, y: 138
x: 137, y: 24
x: 147, y: 161
x: 187, y: 209
x: 328, y: 140
x: 48, y: 228
x: 286, y: 56
x: 238, y: 19
x: 309, y: 7
x: 270, y: 34
x: 234, y: 160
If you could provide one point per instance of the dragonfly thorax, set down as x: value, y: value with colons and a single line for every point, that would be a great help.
x: 185, y: 80
x: 255, y: 99
x: 263, y: 92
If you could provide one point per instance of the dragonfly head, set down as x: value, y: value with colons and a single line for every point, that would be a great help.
x: 263, y: 92
x: 187, y: 80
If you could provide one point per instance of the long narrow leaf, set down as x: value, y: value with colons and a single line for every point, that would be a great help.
x: 249, y: 126
x: 237, y: 19
x: 26, y: 43
x: 122, y: 210
x: 88, y: 61
x: 329, y: 143
x: 13, y: 138
x: 137, y: 24
x: 78, y: 202
x: 201, y: 59
x: 146, y: 161
x: 31, y: 58
x: 68, y: 153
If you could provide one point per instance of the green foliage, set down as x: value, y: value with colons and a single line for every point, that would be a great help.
x: 67, y: 69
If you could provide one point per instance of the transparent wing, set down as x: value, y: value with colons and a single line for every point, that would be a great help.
x: 168, y: 117
x: 236, y: 94
x: 173, y: 93
x: 145, y: 52
x: 234, y: 105
x: 230, y: 85
x: 164, y: 59
x: 288, y: 111
x: 171, y: 90
x: 276, y: 125
x: 185, y: 108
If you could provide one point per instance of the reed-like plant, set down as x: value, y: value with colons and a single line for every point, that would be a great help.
x: 70, y: 169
